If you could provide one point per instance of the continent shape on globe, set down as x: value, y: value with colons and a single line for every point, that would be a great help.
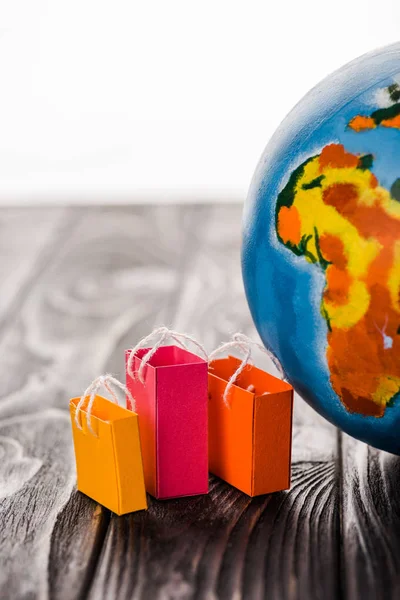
x: 321, y: 247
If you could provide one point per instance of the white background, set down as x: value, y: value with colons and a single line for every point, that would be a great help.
x: 169, y: 100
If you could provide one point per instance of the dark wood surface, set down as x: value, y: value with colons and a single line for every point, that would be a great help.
x: 78, y: 287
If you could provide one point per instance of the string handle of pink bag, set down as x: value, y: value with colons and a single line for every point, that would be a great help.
x: 163, y: 334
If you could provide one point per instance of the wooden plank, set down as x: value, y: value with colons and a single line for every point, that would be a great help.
x: 371, y: 522
x: 75, y: 545
x: 38, y: 461
x: 165, y: 552
x: 115, y: 277
x: 226, y: 545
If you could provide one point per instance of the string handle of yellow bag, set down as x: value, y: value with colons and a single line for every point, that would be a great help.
x: 92, y: 390
x: 163, y: 333
x: 242, y: 342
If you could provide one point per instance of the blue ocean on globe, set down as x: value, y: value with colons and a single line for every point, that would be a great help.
x: 321, y: 248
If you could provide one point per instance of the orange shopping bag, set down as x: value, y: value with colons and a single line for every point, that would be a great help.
x: 249, y: 424
x: 107, y: 449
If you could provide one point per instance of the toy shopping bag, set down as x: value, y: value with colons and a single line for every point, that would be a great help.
x: 107, y: 450
x: 171, y: 401
x: 250, y: 436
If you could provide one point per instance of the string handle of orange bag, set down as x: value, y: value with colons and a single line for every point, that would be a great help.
x: 163, y: 333
x: 91, y: 391
x: 244, y: 343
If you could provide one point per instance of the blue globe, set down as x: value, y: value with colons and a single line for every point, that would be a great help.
x: 321, y: 248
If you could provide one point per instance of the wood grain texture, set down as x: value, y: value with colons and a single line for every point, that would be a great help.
x: 370, y: 522
x: 93, y: 283
x: 111, y: 276
x: 75, y: 545
x: 27, y: 238
x: 227, y: 545
x: 27, y: 513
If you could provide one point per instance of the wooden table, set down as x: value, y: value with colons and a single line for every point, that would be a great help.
x: 78, y: 287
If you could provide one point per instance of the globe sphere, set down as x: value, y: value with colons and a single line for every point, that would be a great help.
x: 321, y: 248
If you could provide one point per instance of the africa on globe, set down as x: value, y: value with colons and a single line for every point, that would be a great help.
x: 321, y: 248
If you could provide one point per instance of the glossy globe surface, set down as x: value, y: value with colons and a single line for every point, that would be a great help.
x: 321, y: 248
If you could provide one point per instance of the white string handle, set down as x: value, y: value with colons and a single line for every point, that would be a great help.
x: 164, y: 333
x: 244, y: 343
x: 92, y: 390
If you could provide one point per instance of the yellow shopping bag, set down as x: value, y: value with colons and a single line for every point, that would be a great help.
x: 107, y: 449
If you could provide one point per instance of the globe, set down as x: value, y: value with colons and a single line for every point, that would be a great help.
x: 321, y: 248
